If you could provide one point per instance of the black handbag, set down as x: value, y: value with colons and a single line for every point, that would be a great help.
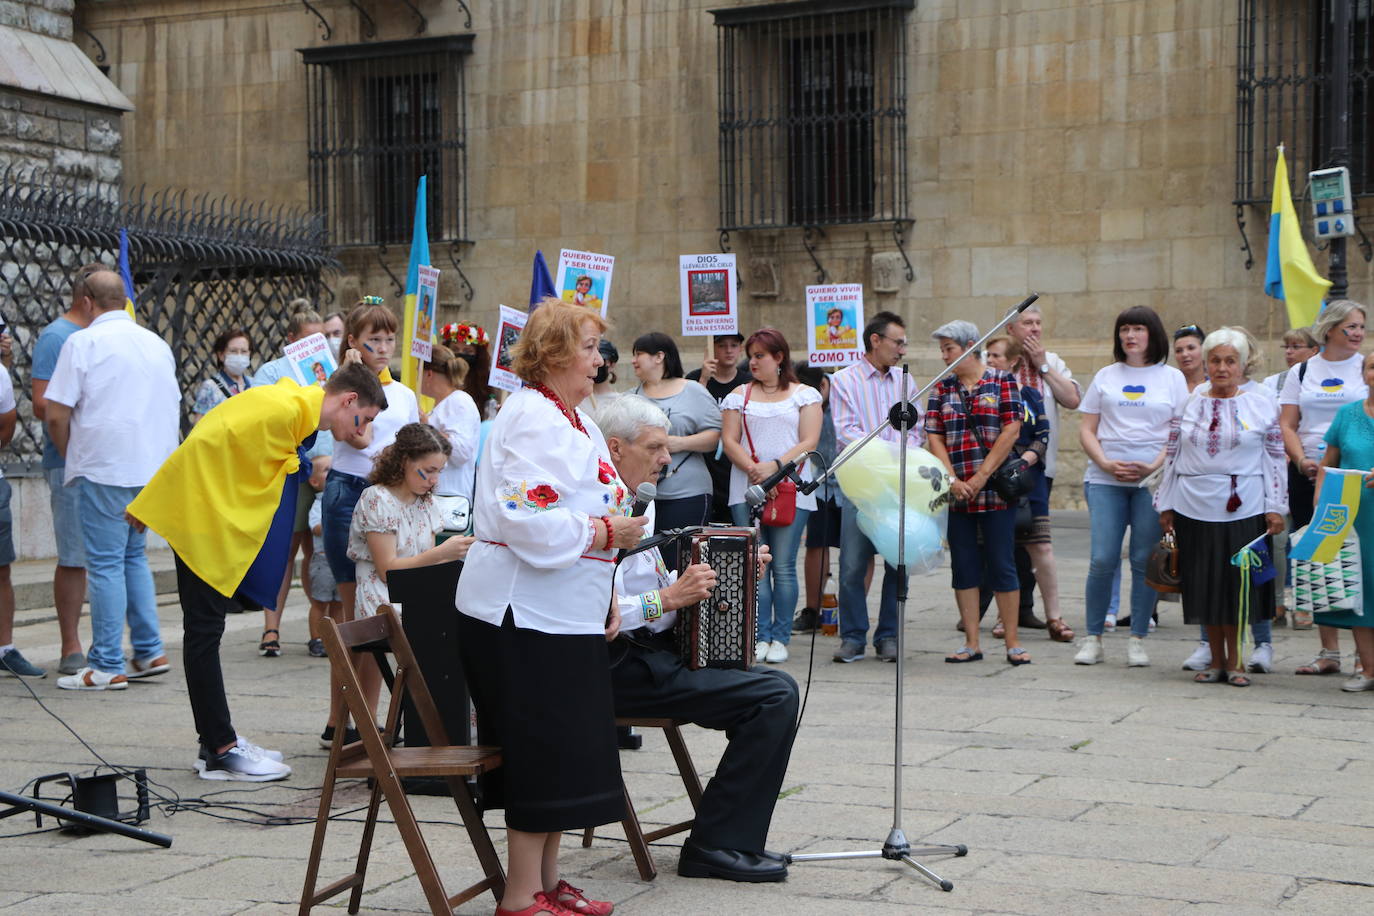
x: 1012, y: 480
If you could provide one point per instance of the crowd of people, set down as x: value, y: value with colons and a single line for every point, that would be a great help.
x: 353, y: 472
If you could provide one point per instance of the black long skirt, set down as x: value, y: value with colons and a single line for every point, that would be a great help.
x: 1210, y: 584
x: 546, y: 701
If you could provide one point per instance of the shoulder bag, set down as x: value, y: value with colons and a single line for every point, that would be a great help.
x: 1161, y: 571
x: 781, y: 508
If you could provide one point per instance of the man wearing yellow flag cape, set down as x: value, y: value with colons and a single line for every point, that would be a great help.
x: 225, y: 502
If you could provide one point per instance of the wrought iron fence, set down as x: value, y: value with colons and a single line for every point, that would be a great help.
x: 199, y: 267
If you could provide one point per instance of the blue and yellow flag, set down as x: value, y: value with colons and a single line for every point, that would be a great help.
x: 419, y: 256
x: 1338, y: 499
x: 126, y: 274
x: 1289, y: 274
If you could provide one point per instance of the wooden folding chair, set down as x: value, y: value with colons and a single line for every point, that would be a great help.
x: 638, y: 839
x: 374, y: 758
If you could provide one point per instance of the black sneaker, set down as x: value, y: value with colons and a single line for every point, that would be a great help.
x: 808, y: 620
x: 327, y: 737
x: 316, y: 648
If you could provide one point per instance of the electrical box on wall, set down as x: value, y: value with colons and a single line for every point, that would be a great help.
x: 1332, y: 206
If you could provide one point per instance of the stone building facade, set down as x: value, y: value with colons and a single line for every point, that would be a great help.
x: 1082, y: 149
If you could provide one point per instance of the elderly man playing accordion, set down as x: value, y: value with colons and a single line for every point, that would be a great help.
x: 757, y: 709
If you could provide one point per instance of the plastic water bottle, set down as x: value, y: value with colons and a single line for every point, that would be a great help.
x: 830, y: 613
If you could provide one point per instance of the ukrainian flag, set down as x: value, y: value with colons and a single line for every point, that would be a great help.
x: 1338, y: 500
x: 419, y: 256
x: 126, y: 274
x: 1289, y: 274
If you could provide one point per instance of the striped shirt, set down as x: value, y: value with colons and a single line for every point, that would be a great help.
x: 861, y: 396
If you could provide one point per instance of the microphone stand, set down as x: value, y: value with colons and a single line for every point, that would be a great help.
x: 903, y: 416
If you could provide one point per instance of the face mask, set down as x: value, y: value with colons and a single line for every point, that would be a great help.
x: 602, y: 374
x: 236, y: 363
x: 334, y: 344
x: 469, y: 358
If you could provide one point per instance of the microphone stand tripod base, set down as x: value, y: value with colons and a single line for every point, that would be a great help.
x: 896, y: 849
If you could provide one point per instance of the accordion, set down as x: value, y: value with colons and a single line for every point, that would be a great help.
x: 719, y: 631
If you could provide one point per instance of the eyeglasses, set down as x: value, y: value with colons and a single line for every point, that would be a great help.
x: 899, y: 341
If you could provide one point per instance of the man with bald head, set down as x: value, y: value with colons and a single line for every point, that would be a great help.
x: 113, y: 409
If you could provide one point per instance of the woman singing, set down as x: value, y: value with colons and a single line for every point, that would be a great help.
x: 533, y: 621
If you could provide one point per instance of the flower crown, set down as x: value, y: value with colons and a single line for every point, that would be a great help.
x: 457, y: 335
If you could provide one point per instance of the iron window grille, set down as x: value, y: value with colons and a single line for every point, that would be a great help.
x: 1284, y: 94
x: 812, y: 113
x: 381, y: 114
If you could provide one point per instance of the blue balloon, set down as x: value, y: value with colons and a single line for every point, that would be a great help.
x: 924, y: 539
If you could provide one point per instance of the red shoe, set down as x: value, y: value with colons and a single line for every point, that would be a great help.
x: 572, y: 899
x: 544, y: 905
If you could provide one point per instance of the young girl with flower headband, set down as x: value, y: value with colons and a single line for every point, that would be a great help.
x: 370, y: 339
x: 471, y: 343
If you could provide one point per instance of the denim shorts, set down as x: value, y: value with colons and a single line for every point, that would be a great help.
x: 66, y: 520
x: 6, y: 525
x: 341, y: 494
x: 968, y: 560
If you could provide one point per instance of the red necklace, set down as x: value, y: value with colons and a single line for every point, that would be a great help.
x: 571, y: 415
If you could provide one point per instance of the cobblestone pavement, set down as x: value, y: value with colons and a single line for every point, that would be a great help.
x: 1128, y: 790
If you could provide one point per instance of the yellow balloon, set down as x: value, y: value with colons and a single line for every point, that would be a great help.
x: 871, y: 478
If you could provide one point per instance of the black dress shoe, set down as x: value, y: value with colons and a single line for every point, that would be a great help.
x: 699, y: 861
x: 782, y: 857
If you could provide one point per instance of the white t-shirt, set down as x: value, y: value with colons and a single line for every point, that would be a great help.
x: 457, y: 418
x: 1324, y: 388
x: 1134, y: 405
x: 401, y: 408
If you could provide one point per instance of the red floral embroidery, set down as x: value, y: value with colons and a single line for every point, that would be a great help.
x: 542, y: 496
x: 605, y: 472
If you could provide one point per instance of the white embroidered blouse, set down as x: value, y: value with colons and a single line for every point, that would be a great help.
x: 539, y: 485
x: 1224, y: 459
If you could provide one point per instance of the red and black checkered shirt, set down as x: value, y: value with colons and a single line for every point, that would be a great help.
x: 970, y: 420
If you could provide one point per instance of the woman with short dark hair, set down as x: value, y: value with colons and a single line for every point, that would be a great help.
x: 233, y: 351
x: 684, y: 492
x: 1126, y: 413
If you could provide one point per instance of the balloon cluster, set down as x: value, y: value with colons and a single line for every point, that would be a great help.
x: 871, y: 480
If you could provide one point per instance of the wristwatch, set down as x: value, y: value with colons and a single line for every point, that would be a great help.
x: 1044, y: 367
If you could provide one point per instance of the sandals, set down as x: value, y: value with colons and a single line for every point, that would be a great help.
x: 572, y: 898
x: 1059, y: 631
x: 1302, y: 620
x: 964, y: 655
x: 1328, y: 661
x: 1237, y: 679
x: 1018, y: 656
x: 1210, y: 676
x: 270, y: 648
x: 998, y: 631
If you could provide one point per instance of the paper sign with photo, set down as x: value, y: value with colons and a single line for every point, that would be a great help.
x: 709, y: 304
x: 834, y: 318
x: 507, y: 333
x: 584, y: 278
x: 421, y: 345
x: 310, y: 360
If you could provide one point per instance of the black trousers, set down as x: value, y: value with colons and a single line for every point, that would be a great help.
x: 202, y: 620
x: 757, y: 710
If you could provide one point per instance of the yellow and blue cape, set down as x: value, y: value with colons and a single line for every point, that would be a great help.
x: 223, y: 499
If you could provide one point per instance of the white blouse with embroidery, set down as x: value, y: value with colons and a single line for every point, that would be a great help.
x: 539, y: 484
x: 1224, y: 447
x: 639, y: 581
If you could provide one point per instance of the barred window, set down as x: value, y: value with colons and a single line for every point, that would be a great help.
x: 381, y: 114
x: 812, y: 112
x: 1285, y: 90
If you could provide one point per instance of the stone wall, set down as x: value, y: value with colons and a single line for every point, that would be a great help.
x: 44, y: 17
x: 65, y: 138
x: 1083, y: 149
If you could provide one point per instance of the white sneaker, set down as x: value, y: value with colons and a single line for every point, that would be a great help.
x: 243, y: 766
x: 777, y: 653
x: 1357, y: 682
x: 1262, y: 659
x: 1153, y: 624
x: 1135, y: 653
x: 1089, y: 651
x: 761, y: 651
x: 248, y: 747
x: 1109, y: 625
x: 91, y: 679
x: 1201, y: 659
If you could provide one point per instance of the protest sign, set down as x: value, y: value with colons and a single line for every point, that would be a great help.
x: 834, y: 316
x: 584, y: 278
x: 709, y: 304
x: 421, y: 345
x: 508, y: 330
x: 310, y: 360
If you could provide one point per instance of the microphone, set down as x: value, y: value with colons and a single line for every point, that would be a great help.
x: 757, y: 495
x: 646, y: 494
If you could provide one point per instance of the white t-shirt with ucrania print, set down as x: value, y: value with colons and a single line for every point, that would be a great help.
x: 1322, y: 390
x: 1134, y: 405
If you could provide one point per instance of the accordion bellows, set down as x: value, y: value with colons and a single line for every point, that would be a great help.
x: 719, y: 631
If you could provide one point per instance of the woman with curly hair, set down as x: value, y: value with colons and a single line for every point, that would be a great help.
x: 395, y: 521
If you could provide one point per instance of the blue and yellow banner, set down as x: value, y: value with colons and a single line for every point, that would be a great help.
x: 1290, y: 274
x: 126, y: 274
x: 1338, y: 499
x: 419, y: 255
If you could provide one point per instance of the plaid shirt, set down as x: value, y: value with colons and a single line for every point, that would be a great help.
x: 970, y: 422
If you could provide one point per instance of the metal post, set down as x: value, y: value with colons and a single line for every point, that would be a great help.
x: 1340, y: 127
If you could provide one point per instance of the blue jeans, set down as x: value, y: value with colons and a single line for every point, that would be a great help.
x: 341, y: 494
x: 118, y: 580
x: 778, y: 588
x: 1110, y: 510
x: 855, y: 551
